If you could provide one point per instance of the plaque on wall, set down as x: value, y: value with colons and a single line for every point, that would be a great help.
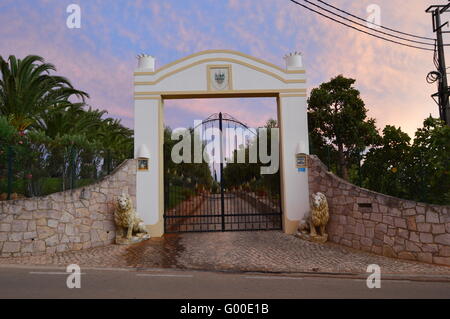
x: 219, y: 77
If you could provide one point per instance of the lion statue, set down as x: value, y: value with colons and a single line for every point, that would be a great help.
x: 126, y: 218
x: 316, y: 220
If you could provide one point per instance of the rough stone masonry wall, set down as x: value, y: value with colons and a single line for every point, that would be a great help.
x: 70, y: 220
x: 381, y: 224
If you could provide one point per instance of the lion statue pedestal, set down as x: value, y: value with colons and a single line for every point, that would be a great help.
x: 130, y: 228
x: 312, y: 226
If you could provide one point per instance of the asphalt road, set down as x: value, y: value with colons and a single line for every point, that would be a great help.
x: 107, y: 283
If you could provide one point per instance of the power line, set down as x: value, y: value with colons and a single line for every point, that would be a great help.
x: 386, y: 28
x: 365, y: 26
x: 355, y: 28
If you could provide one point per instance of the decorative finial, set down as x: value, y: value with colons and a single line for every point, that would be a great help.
x: 293, y: 60
x: 146, y: 62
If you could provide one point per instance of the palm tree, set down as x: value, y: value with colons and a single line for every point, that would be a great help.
x: 116, y: 143
x: 27, y: 90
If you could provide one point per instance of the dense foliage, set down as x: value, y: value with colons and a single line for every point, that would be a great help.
x: 187, y: 174
x: 248, y: 175
x: 344, y: 139
x: 48, y: 142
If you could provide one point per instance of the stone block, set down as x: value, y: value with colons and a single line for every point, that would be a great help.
x: 442, y: 260
x: 382, y: 228
x: 403, y: 233
x: 409, y: 212
x: 420, y: 219
x: 11, y: 247
x: 70, y: 230
x: 444, y: 251
x: 423, y: 227
x: 412, y: 247
x: 52, y: 223
x: 30, y: 235
x: 388, y: 251
x: 30, y: 205
x: 5, y: 227
x: 26, y: 248
x: 31, y: 225
x: 366, y: 241
x: 426, y: 238
x: 425, y: 257
x: 377, y: 250
x: 45, y: 232
x: 66, y: 217
x: 432, y: 217
x: 52, y: 241
x: 19, y: 225
x: 39, y: 246
x: 388, y: 241
x: 437, y: 228
x: 411, y: 223
x: 389, y: 220
x: 413, y: 236
x: 400, y: 222
x: 432, y: 248
x: 443, y: 239
x: 25, y: 216
x: 391, y: 231
x: 15, y: 236
x: 406, y: 255
x: 359, y: 229
x: 377, y: 217
x: 61, y: 248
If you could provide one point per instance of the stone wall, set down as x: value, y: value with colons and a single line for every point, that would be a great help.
x: 71, y: 220
x: 381, y: 224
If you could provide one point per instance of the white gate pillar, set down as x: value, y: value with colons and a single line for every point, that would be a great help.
x: 292, y: 115
x: 149, y: 134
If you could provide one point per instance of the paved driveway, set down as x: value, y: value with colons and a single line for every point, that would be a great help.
x: 265, y: 251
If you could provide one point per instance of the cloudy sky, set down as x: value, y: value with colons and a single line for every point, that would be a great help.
x: 100, y: 56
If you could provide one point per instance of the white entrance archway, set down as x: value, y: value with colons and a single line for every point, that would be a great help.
x: 219, y: 74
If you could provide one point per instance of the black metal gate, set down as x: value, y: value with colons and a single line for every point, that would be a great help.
x: 241, y: 199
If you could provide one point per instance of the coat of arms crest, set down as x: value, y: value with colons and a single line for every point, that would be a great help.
x: 219, y: 76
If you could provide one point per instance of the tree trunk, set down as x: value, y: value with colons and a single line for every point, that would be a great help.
x: 342, y: 162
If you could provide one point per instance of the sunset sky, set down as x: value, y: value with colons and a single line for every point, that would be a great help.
x: 99, y: 58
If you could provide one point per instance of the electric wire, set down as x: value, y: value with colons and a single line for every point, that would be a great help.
x: 357, y: 29
x: 367, y: 27
x: 378, y: 25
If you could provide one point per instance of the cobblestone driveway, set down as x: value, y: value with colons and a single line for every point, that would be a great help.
x: 233, y: 251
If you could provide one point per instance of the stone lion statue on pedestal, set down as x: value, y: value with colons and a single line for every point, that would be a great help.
x: 312, y: 227
x: 128, y: 222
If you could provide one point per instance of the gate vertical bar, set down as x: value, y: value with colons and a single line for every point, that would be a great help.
x: 222, y: 200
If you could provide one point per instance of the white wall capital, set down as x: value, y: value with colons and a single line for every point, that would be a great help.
x: 294, y: 61
x: 146, y: 63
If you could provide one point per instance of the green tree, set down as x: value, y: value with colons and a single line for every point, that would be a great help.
x: 238, y: 174
x: 27, y: 90
x: 338, y: 114
x: 428, y: 171
x: 384, y: 166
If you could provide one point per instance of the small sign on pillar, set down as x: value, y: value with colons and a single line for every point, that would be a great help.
x: 143, y: 157
x: 301, y: 158
x: 302, y: 162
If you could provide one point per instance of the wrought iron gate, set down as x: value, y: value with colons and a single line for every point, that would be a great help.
x: 194, y: 202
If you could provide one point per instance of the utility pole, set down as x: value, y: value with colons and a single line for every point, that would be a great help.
x: 443, y: 93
